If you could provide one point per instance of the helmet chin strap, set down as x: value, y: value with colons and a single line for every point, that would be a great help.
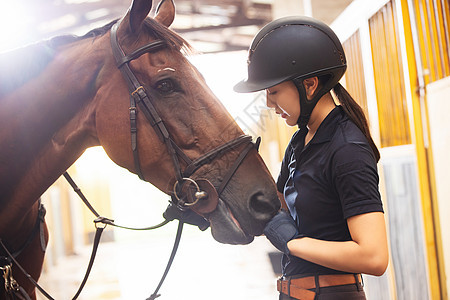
x: 306, y: 106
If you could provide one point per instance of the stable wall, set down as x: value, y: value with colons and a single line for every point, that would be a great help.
x: 438, y: 94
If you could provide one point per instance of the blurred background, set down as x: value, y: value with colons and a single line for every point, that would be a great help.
x: 398, y: 54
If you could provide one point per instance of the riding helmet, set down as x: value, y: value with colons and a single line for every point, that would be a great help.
x: 294, y: 48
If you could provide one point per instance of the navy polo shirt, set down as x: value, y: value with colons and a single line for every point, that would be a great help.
x: 331, y: 179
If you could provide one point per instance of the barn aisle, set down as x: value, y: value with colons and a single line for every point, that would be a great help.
x: 202, y: 270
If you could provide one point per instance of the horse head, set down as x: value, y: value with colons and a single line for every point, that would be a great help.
x: 195, y: 120
x: 61, y: 96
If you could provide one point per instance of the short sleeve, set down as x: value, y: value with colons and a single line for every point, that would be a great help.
x: 284, y: 172
x: 356, y: 180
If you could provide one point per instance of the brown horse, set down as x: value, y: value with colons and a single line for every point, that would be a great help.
x: 61, y: 96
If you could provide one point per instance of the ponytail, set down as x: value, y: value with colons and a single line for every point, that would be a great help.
x: 356, y: 114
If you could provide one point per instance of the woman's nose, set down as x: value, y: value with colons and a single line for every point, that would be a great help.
x: 269, y: 103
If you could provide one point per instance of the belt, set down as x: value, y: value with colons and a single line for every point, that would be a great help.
x: 299, y: 288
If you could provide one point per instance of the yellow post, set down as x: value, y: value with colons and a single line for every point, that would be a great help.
x: 424, y: 163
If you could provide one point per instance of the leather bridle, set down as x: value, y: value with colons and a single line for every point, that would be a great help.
x: 198, y: 195
x: 139, y: 98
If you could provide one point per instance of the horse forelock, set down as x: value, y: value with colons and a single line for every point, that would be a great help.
x: 20, y: 65
x: 174, y: 40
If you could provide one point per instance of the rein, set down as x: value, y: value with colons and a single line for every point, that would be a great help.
x: 107, y: 221
x: 11, y: 286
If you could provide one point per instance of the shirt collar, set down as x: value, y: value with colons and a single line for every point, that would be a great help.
x: 328, y: 126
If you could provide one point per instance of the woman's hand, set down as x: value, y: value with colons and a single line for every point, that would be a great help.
x: 280, y: 230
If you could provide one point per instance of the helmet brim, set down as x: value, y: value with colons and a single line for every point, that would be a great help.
x: 247, y: 86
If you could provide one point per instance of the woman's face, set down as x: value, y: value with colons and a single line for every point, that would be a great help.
x: 284, y: 99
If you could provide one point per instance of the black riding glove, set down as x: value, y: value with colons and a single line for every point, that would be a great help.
x: 280, y: 230
x: 187, y: 216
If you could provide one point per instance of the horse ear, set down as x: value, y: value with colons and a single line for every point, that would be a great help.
x: 138, y: 12
x: 165, y: 12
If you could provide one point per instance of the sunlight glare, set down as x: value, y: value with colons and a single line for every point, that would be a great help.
x: 14, y: 20
x: 245, y: 108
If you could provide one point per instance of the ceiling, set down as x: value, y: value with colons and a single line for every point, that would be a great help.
x: 209, y: 25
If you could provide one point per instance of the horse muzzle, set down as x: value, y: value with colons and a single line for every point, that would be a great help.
x: 225, y: 228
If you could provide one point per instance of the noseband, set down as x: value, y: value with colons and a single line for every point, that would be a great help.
x: 202, y: 188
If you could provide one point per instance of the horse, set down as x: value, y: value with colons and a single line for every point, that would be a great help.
x: 61, y: 96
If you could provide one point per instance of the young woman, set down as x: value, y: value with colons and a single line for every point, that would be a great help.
x: 332, y: 227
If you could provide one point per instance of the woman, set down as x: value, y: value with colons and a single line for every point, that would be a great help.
x: 334, y: 228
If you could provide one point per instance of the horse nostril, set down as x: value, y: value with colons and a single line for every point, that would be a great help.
x: 260, y: 205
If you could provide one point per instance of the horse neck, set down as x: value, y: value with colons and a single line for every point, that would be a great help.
x: 45, y: 125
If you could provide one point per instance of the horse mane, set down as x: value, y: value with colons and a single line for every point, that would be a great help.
x: 151, y: 26
x: 22, y: 64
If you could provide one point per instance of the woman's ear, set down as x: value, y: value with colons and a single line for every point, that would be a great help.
x: 310, y: 85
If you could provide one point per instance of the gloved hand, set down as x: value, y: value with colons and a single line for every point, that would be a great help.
x: 187, y: 216
x: 280, y: 230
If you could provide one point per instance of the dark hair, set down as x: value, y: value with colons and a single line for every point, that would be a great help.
x: 356, y: 114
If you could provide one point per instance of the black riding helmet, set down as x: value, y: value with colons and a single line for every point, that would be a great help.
x: 294, y: 48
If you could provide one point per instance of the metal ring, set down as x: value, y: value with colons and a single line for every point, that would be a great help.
x: 175, y: 191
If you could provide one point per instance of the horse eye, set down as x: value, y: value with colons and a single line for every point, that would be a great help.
x: 165, y: 86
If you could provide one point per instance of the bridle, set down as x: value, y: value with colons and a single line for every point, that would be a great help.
x: 139, y: 98
x: 198, y: 195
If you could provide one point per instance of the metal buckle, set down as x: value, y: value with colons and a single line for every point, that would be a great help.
x: 102, y: 222
x: 137, y: 90
x: 10, y: 283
